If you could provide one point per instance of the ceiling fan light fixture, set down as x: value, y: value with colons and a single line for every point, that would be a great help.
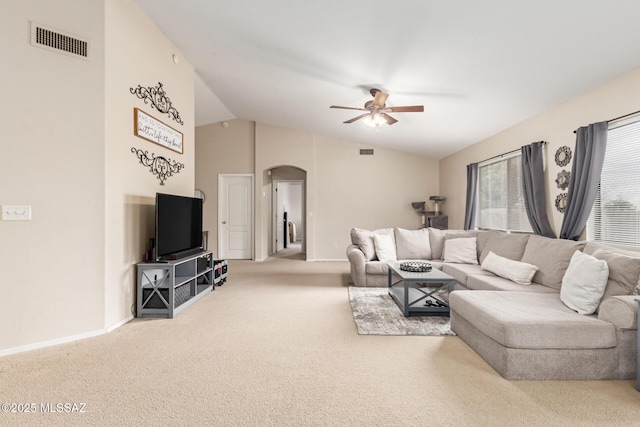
x: 374, y: 120
x: 375, y: 112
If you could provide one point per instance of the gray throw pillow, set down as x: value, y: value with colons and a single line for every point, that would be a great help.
x: 552, y: 256
x: 505, y: 245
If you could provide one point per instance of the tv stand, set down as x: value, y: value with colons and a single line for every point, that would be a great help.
x: 181, y: 254
x: 165, y: 288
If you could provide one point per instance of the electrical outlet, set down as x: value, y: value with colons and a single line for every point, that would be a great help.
x: 16, y: 213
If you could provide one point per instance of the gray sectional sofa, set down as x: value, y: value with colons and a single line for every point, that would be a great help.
x: 524, y: 331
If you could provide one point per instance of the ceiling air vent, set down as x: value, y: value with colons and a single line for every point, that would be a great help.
x: 366, y: 151
x: 51, y: 39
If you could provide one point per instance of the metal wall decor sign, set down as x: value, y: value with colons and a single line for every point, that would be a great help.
x: 147, y: 127
x: 160, y: 166
x: 159, y: 99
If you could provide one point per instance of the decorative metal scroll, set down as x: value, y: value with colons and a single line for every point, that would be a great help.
x: 159, y: 99
x: 160, y: 166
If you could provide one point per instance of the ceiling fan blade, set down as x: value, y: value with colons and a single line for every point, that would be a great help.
x: 356, y: 118
x: 407, y: 109
x: 348, y: 108
x: 380, y: 98
x: 390, y: 120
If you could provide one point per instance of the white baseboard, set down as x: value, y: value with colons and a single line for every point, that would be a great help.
x: 64, y: 340
x: 120, y: 323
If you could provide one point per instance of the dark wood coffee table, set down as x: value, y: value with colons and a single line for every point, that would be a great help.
x: 411, y: 291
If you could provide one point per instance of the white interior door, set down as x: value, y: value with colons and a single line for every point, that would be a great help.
x: 235, y: 216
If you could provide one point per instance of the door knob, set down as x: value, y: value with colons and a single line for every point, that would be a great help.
x: 224, y: 222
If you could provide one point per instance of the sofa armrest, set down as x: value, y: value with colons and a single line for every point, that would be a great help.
x: 357, y: 261
x: 621, y: 310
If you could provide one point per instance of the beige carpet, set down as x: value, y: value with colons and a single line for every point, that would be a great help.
x: 277, y: 346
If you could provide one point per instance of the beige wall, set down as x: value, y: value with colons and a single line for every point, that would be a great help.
x: 137, y: 53
x: 53, y: 160
x: 68, y: 124
x: 343, y: 189
x: 555, y: 126
x: 365, y: 191
x: 221, y: 150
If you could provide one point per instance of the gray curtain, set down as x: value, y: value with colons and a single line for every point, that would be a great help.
x: 533, y: 186
x: 472, y: 188
x: 591, y: 144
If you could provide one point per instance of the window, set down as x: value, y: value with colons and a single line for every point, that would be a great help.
x: 500, y: 195
x: 615, y: 218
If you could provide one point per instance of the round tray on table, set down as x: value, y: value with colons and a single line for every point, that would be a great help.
x: 415, y: 266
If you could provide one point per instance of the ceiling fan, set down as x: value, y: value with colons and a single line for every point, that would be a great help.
x: 376, y: 110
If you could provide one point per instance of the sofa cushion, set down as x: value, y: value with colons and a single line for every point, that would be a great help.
x: 583, y: 283
x: 552, y: 257
x: 623, y: 273
x: 531, y: 320
x: 385, y: 247
x: 460, y: 250
x: 517, y: 271
x: 364, y: 240
x: 461, y: 272
x: 436, y: 239
x: 510, y: 246
x: 591, y: 247
x: 484, y: 236
x: 412, y: 244
x: 489, y: 282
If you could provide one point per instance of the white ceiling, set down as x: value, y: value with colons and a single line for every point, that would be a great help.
x: 478, y: 67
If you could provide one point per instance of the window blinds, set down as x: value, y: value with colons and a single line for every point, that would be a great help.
x: 500, y: 195
x: 615, y: 216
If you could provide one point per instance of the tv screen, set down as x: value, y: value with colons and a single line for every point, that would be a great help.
x: 178, y: 225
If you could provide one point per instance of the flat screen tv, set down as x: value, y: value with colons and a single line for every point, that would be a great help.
x: 178, y: 226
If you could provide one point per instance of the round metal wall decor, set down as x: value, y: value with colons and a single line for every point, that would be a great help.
x: 563, y: 156
x: 561, y: 202
x: 563, y: 179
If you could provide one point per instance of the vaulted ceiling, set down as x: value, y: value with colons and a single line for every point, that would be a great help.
x: 478, y: 67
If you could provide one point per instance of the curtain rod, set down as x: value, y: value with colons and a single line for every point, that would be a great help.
x: 517, y: 150
x: 618, y: 118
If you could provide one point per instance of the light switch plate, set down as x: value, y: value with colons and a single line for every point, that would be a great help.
x: 16, y: 213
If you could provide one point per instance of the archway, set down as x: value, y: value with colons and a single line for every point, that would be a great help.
x: 288, y: 225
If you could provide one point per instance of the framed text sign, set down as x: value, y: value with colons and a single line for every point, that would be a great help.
x: 151, y: 129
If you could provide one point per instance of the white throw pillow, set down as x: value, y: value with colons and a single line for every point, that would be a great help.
x: 364, y: 240
x: 461, y: 250
x: 385, y: 247
x: 517, y: 271
x: 584, y: 282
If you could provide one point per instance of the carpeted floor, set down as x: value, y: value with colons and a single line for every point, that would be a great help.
x: 277, y: 346
x: 375, y: 313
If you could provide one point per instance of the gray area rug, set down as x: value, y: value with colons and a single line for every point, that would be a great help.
x: 375, y: 313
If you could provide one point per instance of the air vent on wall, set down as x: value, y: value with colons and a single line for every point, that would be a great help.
x: 58, y: 41
x: 366, y: 151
